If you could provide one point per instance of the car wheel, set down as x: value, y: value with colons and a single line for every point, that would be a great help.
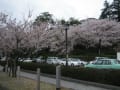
x: 62, y: 64
x: 72, y: 64
x: 82, y: 64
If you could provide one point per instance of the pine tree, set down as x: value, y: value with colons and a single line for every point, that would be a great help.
x: 44, y: 17
x: 111, y: 11
x: 106, y: 11
x: 116, y: 10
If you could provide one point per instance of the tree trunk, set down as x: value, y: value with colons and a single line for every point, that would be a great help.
x: 15, y: 69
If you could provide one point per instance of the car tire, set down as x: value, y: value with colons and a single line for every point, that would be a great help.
x: 72, y: 65
x: 82, y: 64
x: 62, y: 64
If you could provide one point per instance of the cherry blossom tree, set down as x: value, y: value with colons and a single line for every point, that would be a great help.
x: 17, y: 35
x: 13, y: 37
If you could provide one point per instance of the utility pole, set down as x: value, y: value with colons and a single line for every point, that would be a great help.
x: 99, y: 48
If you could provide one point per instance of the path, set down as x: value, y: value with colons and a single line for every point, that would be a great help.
x: 67, y: 84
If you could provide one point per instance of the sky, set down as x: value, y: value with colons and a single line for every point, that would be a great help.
x: 61, y: 9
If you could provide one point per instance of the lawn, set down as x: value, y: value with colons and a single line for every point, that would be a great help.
x: 8, y: 83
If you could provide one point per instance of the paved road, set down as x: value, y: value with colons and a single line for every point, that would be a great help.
x: 67, y: 84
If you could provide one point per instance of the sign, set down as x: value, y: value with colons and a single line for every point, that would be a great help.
x: 118, y: 55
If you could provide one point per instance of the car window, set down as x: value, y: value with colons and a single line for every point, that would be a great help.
x: 49, y: 59
x: 99, y: 62
x: 117, y: 62
x: 63, y: 60
x: 106, y: 62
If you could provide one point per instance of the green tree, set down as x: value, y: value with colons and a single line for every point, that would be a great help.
x: 111, y: 11
x: 106, y: 11
x: 116, y: 10
x: 62, y: 21
x: 44, y: 17
x: 73, y: 21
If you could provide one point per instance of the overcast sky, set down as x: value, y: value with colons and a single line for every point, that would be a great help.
x: 79, y: 9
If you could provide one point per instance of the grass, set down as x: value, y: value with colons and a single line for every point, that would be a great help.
x: 8, y: 83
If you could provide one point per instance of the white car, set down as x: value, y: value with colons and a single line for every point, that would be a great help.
x: 20, y: 59
x: 71, y: 62
x: 62, y: 61
x: 92, y: 62
x: 74, y: 62
x: 84, y: 62
x: 3, y: 58
x: 28, y: 60
x: 39, y: 60
x: 52, y: 60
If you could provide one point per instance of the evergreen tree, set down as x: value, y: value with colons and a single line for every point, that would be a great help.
x: 44, y: 17
x: 73, y: 21
x: 116, y: 10
x: 62, y: 21
x: 106, y: 11
x: 111, y: 11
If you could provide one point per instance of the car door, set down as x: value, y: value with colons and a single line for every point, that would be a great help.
x: 49, y: 61
x: 116, y: 64
x: 98, y: 64
x: 69, y: 61
x: 106, y: 64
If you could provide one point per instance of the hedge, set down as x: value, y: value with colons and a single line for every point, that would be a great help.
x: 45, y: 68
x: 106, y: 76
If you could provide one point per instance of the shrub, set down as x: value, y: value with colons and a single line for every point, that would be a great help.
x: 107, y: 76
x: 45, y: 68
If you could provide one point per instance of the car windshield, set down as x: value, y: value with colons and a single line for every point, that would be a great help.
x: 75, y: 60
x: 63, y: 59
x: 99, y: 62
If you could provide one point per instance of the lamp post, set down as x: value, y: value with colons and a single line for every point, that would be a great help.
x: 99, y: 47
x: 66, y: 46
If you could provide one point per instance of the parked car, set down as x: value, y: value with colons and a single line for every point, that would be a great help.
x: 38, y: 60
x: 74, y: 62
x: 21, y: 59
x: 3, y: 58
x: 83, y: 62
x: 52, y: 60
x: 71, y: 62
x: 27, y: 60
x: 105, y: 64
x: 62, y: 61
